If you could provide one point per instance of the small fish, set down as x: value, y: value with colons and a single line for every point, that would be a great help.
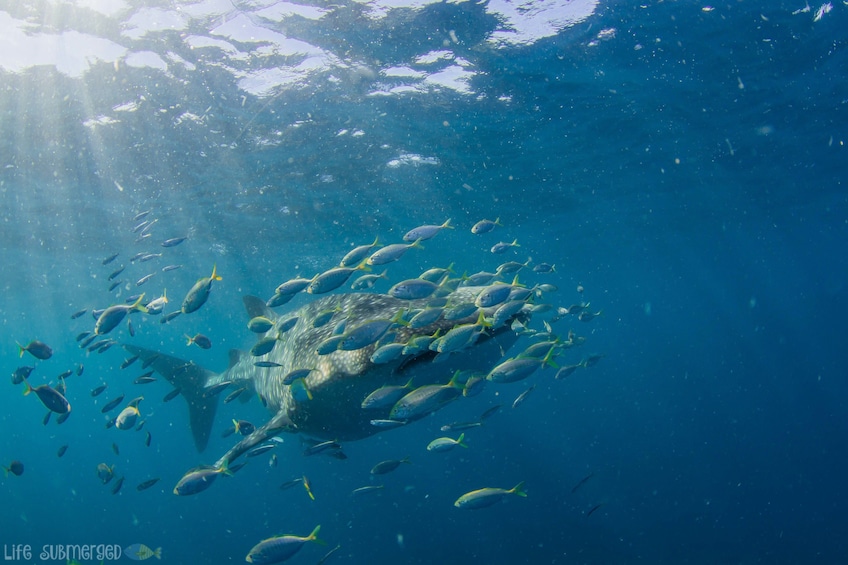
x: 144, y: 379
x: 149, y: 257
x: 586, y: 316
x: 146, y: 484
x: 114, y: 315
x: 97, y: 391
x: 62, y: 451
x: 357, y: 254
x: 260, y: 324
x: 82, y: 335
x: 117, y: 488
x: 413, y: 289
x: 391, y: 253
x: 172, y: 395
x: 279, y: 548
x: 114, y: 274
x: 292, y: 376
x: 582, y: 482
x: 293, y: 286
x: 168, y: 317
x: 332, y: 279
x: 324, y: 318
x: 459, y: 426
x: 244, y: 427
x: 502, y: 246
x: 272, y: 461
x: 365, y: 489
x: 200, y: 341
x: 544, y: 268
x: 141, y: 215
x: 115, y: 449
x: 174, y: 241
x: 216, y: 389
x: 80, y: 368
x: 129, y: 415
x: 308, y: 487
x: 365, y: 282
x: 129, y: 361
x: 485, y: 226
x: 443, y: 444
x: 115, y: 285
x: 264, y: 346
x: 321, y: 447
x: 423, y: 233
x: 487, y: 496
x: 259, y: 450
x: 112, y: 404
x: 288, y: 484
x: 523, y: 396
x: 384, y: 467
x: 52, y: 399
x: 490, y: 412
x: 21, y: 374
x: 266, y: 364
x: 328, y: 554
x: 235, y: 394
x: 78, y: 313
x: 105, y: 472
x: 110, y: 258
x: 592, y: 510
x: 199, y: 479
x: 155, y: 306
x: 15, y: 467
x: 167, y: 268
x: 148, y: 439
x: 199, y: 293
x: 140, y: 425
x: 388, y: 424
x: 37, y: 349
x: 144, y: 279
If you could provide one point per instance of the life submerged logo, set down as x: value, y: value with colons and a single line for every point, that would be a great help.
x: 73, y: 554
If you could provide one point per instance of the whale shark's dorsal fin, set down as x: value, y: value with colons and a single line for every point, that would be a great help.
x: 191, y: 379
x: 255, y: 306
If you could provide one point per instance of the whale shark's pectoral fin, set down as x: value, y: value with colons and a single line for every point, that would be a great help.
x: 191, y: 379
x: 275, y: 426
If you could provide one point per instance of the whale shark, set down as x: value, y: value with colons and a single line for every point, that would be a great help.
x: 338, y: 381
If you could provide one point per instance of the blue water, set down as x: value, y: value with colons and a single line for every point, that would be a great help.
x: 683, y: 163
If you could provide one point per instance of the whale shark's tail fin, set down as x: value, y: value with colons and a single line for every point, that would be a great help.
x: 190, y: 379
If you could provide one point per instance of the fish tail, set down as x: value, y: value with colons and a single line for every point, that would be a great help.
x: 447, y: 224
x: 158, y: 553
x: 215, y: 276
x: 497, y: 221
x: 518, y: 489
x: 460, y: 440
x: 314, y: 535
x: 28, y: 388
x: 21, y: 349
x: 137, y: 305
x: 6, y: 470
x: 189, y: 339
x: 191, y: 379
x: 417, y: 244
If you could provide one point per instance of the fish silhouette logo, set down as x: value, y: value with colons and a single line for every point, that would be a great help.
x: 140, y: 552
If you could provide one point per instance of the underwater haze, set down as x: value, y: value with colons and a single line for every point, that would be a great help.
x: 673, y: 172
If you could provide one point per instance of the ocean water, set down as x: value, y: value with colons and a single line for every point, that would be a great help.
x: 680, y: 162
